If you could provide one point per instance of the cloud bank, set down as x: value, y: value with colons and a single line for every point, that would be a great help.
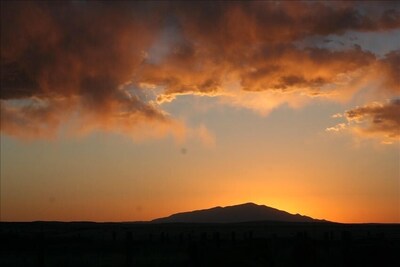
x: 78, y: 67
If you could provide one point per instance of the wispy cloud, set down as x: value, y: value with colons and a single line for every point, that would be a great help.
x: 376, y: 120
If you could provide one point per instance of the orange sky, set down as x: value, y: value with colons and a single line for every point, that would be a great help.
x: 132, y: 111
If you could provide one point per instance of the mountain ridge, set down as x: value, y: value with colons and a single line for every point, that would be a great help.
x: 246, y: 212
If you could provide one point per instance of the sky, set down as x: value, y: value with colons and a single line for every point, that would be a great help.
x: 122, y: 111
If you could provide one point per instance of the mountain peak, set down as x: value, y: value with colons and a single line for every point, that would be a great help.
x: 245, y: 212
x: 247, y: 204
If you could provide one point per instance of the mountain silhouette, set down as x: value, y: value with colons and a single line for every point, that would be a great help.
x: 248, y: 212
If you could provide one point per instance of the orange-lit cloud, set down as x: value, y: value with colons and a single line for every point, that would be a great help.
x: 50, y: 118
x: 73, y: 72
x: 79, y: 67
x: 389, y: 69
x: 376, y: 120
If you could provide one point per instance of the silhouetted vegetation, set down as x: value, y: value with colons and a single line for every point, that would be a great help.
x: 187, y: 244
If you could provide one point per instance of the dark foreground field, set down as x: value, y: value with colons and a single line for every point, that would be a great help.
x: 242, y: 244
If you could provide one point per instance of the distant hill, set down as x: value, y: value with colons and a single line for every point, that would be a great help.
x: 248, y: 212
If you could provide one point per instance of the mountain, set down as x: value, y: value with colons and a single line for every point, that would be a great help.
x: 248, y: 212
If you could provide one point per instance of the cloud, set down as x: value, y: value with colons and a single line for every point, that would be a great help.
x: 254, y: 46
x: 73, y: 72
x: 78, y: 67
x: 336, y: 128
x: 36, y: 120
x: 389, y: 69
x: 50, y: 118
x: 377, y: 120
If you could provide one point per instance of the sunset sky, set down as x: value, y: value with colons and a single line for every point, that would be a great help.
x: 122, y: 111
